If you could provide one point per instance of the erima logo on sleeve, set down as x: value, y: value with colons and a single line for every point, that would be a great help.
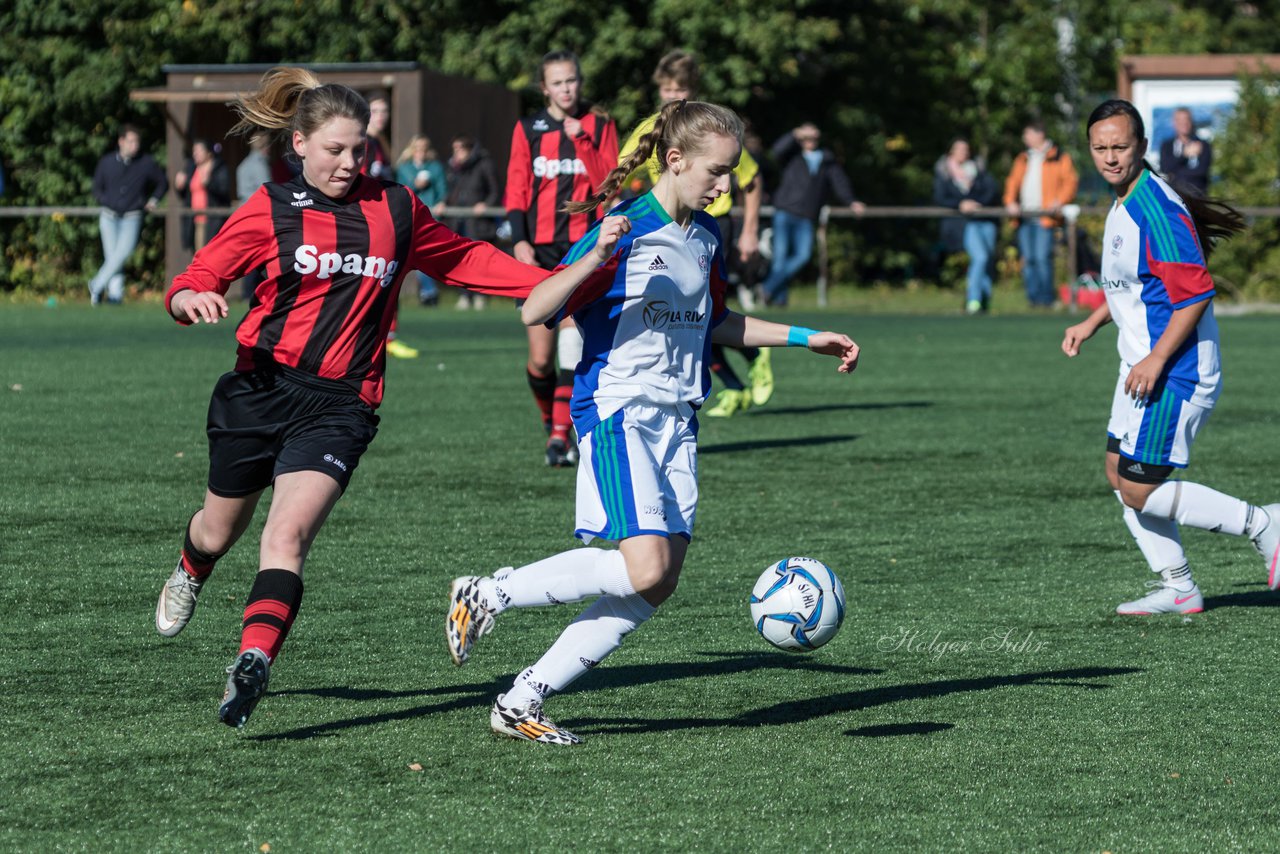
x: 308, y: 259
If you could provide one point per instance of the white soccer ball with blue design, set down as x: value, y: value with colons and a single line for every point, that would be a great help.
x: 798, y: 604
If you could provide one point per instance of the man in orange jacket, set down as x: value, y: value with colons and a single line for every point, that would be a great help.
x: 1044, y: 179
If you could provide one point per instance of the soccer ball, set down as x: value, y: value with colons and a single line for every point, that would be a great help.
x: 797, y: 604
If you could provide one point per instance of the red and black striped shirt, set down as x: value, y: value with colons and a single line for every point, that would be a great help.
x: 334, y: 268
x: 548, y: 168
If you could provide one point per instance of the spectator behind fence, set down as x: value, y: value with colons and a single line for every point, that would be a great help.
x: 126, y: 183
x: 1043, y: 178
x: 473, y: 183
x: 204, y: 182
x: 806, y: 175
x: 420, y: 169
x: 962, y: 182
x: 1186, y: 158
x: 252, y: 173
x: 377, y: 164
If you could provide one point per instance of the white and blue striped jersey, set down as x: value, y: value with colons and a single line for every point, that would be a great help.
x: 646, y: 315
x: 1152, y: 265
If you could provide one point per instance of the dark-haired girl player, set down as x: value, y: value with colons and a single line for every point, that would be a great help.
x: 1160, y: 296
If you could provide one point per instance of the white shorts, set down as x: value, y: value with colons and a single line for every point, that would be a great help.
x: 1159, y: 432
x: 638, y: 474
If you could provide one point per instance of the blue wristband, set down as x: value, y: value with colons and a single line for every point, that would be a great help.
x: 798, y: 336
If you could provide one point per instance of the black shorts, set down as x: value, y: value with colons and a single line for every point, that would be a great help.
x: 1134, y: 470
x: 269, y: 422
x: 549, y: 255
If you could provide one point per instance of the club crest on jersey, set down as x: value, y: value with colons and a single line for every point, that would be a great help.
x: 702, y: 263
x: 308, y: 259
x: 300, y: 200
x: 1116, y: 243
x: 549, y: 167
x: 659, y: 315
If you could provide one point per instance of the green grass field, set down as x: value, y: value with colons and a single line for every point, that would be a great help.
x: 980, y: 696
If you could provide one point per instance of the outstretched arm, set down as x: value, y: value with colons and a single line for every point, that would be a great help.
x: 739, y: 330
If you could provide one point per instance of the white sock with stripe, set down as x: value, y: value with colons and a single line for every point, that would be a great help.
x: 567, y: 577
x: 1200, y: 507
x: 583, y: 644
x: 1159, y: 542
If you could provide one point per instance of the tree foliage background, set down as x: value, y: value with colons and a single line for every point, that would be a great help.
x: 890, y: 81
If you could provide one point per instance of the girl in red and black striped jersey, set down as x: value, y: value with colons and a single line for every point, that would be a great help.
x: 297, y: 412
x: 560, y: 154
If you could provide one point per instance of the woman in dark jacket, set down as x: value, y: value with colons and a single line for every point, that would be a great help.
x: 204, y: 182
x: 961, y: 182
x: 473, y: 183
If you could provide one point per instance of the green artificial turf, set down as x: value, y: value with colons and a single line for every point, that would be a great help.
x: 980, y: 696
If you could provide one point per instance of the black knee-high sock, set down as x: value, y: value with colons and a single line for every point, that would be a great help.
x: 544, y: 394
x: 197, y: 563
x: 273, y: 604
x: 720, y: 367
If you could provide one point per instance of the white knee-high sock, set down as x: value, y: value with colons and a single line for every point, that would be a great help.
x: 567, y: 577
x: 583, y: 644
x: 1200, y: 507
x: 1159, y: 542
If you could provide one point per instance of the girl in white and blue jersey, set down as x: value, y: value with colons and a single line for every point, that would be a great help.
x: 648, y: 316
x: 1160, y: 296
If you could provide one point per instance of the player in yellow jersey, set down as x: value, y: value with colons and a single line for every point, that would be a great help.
x: 677, y: 80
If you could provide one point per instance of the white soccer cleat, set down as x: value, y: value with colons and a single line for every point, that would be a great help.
x: 1268, y: 545
x: 1165, y: 599
x: 177, y: 602
x: 468, y: 619
x: 528, y: 723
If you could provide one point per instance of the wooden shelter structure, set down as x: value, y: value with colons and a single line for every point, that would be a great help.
x: 197, y: 104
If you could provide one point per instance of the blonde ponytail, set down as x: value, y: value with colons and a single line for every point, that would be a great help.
x: 682, y: 125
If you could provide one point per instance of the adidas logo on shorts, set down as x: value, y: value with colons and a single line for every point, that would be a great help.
x: 658, y: 264
x: 1136, y: 468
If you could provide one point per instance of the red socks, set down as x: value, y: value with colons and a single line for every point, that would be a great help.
x: 273, y: 604
x: 198, y: 564
x: 544, y: 393
x: 561, y: 420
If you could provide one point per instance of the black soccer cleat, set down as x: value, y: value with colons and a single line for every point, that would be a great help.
x: 246, y: 683
x: 558, y: 454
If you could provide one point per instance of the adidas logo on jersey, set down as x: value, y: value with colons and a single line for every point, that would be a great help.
x: 301, y: 201
x: 658, y: 264
x: 308, y: 259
